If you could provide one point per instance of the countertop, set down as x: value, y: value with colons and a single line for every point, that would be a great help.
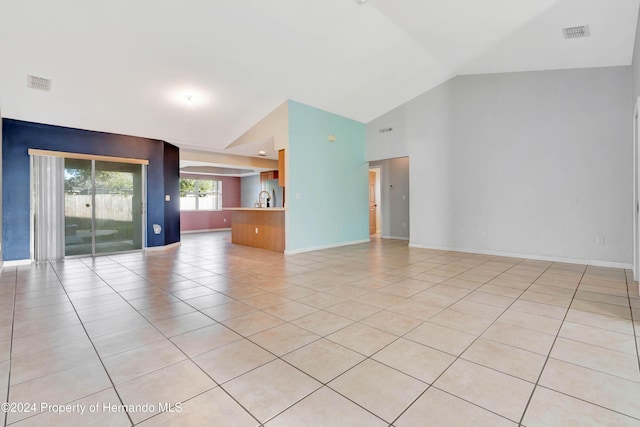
x: 255, y: 209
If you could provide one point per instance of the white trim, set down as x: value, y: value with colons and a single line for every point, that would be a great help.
x: 16, y: 262
x: 69, y: 155
x: 636, y: 177
x: 208, y: 230
x: 162, y: 248
x: 596, y: 263
x: 317, y: 248
x: 395, y: 237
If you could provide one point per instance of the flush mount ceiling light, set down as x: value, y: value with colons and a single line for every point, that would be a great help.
x: 360, y: 2
x: 188, y: 97
x: 262, y: 153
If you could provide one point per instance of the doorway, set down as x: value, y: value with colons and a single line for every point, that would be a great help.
x: 103, y: 207
x: 372, y: 203
x: 393, y: 197
x: 99, y: 206
x: 374, y: 200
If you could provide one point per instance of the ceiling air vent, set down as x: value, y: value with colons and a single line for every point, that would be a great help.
x: 385, y: 130
x: 40, y: 83
x: 576, y: 32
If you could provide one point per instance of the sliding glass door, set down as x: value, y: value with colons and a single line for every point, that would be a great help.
x: 118, y: 207
x: 103, y: 206
x: 78, y: 207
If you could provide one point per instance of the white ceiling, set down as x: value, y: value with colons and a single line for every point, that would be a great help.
x: 126, y: 66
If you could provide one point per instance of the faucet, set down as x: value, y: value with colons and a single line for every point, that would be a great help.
x: 268, y: 198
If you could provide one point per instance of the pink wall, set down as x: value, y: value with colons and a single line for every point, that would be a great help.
x: 207, y: 220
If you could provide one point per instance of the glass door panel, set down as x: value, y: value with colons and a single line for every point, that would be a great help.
x: 118, y: 207
x: 78, y: 207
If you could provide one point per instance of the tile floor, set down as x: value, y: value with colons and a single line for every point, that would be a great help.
x: 376, y: 334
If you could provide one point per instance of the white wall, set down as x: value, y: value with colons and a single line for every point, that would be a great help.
x: 1, y: 249
x: 394, y: 197
x: 540, y: 161
x: 636, y: 64
x: 636, y: 93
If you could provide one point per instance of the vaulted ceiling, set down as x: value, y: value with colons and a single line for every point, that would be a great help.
x: 129, y: 67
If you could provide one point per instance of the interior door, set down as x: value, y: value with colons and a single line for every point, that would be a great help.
x: 372, y: 203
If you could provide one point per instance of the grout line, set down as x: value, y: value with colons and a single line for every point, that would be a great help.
x: 322, y: 384
x: 633, y: 323
x: 476, y: 339
x: 589, y: 403
x: 314, y: 262
x: 13, y: 321
x: 92, y: 344
x: 524, y: 412
x: 168, y: 339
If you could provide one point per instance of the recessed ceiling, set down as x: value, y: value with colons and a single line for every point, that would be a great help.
x: 214, y: 170
x: 207, y: 168
x: 130, y: 66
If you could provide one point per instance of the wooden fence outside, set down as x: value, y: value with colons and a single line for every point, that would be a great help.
x: 116, y: 207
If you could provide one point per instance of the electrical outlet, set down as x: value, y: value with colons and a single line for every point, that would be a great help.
x: 599, y: 240
x: 224, y: 220
x: 483, y: 234
x: 256, y: 230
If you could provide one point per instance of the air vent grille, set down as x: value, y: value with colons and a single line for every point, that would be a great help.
x: 576, y: 32
x: 385, y: 130
x: 40, y: 83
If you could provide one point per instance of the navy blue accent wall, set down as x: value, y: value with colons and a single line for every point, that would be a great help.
x: 19, y: 136
x: 172, y: 188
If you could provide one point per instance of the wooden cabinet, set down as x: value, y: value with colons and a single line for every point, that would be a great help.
x: 259, y: 228
x: 281, y: 168
x: 268, y: 175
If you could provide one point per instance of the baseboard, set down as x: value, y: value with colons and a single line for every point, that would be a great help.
x: 318, y: 248
x: 16, y: 262
x: 162, y: 248
x: 595, y: 263
x: 208, y: 230
x: 395, y: 237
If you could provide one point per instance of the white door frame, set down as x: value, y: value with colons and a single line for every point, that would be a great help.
x: 377, y: 169
x: 636, y: 195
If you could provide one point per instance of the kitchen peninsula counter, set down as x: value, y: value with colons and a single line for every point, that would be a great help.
x: 258, y: 227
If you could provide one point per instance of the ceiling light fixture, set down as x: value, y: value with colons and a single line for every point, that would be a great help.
x: 360, y: 2
x: 262, y: 153
x: 188, y: 96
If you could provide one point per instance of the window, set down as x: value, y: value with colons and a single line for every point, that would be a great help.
x: 200, y: 194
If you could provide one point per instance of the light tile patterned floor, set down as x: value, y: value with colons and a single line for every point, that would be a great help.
x: 375, y: 334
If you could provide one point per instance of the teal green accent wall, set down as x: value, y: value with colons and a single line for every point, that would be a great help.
x: 331, y: 179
